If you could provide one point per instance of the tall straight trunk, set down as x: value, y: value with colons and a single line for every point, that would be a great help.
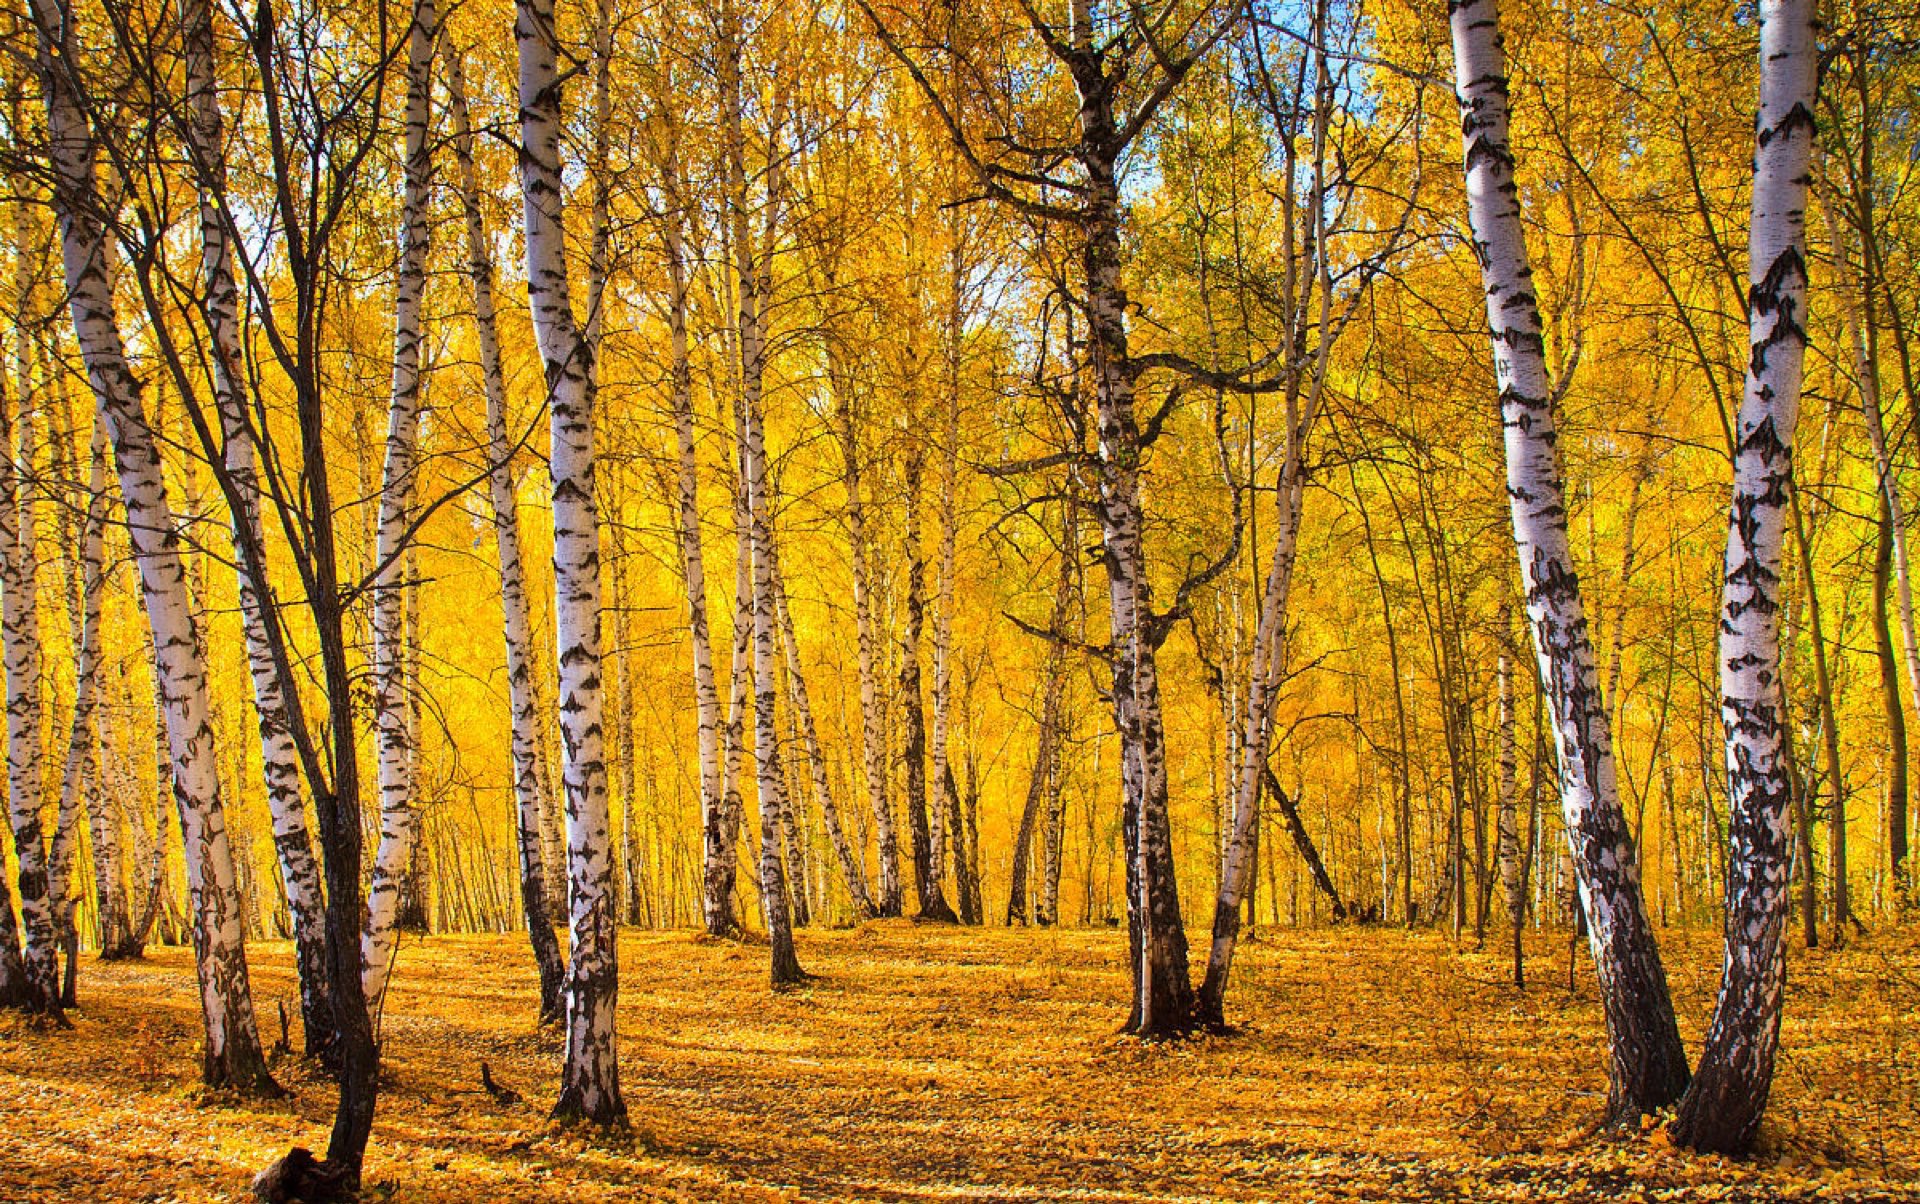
x: 913, y: 755
x: 1860, y: 309
x: 20, y: 634
x: 1863, y: 338
x: 590, y: 1080
x: 852, y: 873
x: 299, y: 871
x: 713, y: 795
x: 1823, y: 697
x: 784, y: 963
x: 1305, y: 381
x: 103, y: 827
x: 721, y: 835
x: 78, y: 776
x: 1648, y: 1064
x: 1722, y: 1109
x: 750, y: 343
x: 516, y: 625
x: 233, y: 1056
x: 1890, y: 698
x: 1046, y: 754
x: 873, y: 740
x: 947, y: 483
x: 393, y: 744
x: 1507, y: 758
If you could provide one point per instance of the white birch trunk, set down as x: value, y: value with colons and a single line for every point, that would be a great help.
x: 1722, y: 1108
x: 873, y: 738
x: 1648, y: 1068
x: 20, y: 634
x: 851, y: 871
x: 785, y: 965
x: 299, y: 870
x: 233, y: 1056
x: 590, y: 1080
x: 393, y: 746
x: 103, y: 826
x: 517, y: 627
x: 713, y: 793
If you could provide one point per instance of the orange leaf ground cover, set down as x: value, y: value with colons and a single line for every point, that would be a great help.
x: 936, y: 1064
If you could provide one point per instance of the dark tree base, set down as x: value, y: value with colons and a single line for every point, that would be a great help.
x: 938, y: 912
x: 300, y: 1178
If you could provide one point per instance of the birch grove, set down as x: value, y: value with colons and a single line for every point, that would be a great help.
x: 894, y: 522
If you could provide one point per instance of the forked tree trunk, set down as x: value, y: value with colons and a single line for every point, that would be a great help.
x: 1649, y: 1068
x: 233, y: 1056
x: 299, y: 871
x: 393, y: 743
x: 518, y: 629
x: 590, y: 1080
x: 1722, y: 1109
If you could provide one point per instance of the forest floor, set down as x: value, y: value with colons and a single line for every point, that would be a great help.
x: 928, y: 1063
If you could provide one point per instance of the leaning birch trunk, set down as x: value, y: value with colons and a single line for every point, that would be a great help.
x: 590, y: 1081
x: 851, y: 871
x: 20, y: 633
x: 1046, y: 754
x: 1256, y: 720
x: 233, y: 1057
x: 103, y: 827
x: 1648, y: 1065
x: 393, y: 745
x: 1722, y: 1109
x: 299, y: 870
x: 518, y: 629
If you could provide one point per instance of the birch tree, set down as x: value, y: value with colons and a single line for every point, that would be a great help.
x: 1648, y: 1068
x: 233, y: 1056
x: 393, y: 745
x: 1722, y: 1108
x: 299, y: 871
x: 83, y: 750
x: 20, y: 633
x: 517, y: 627
x: 590, y: 1081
